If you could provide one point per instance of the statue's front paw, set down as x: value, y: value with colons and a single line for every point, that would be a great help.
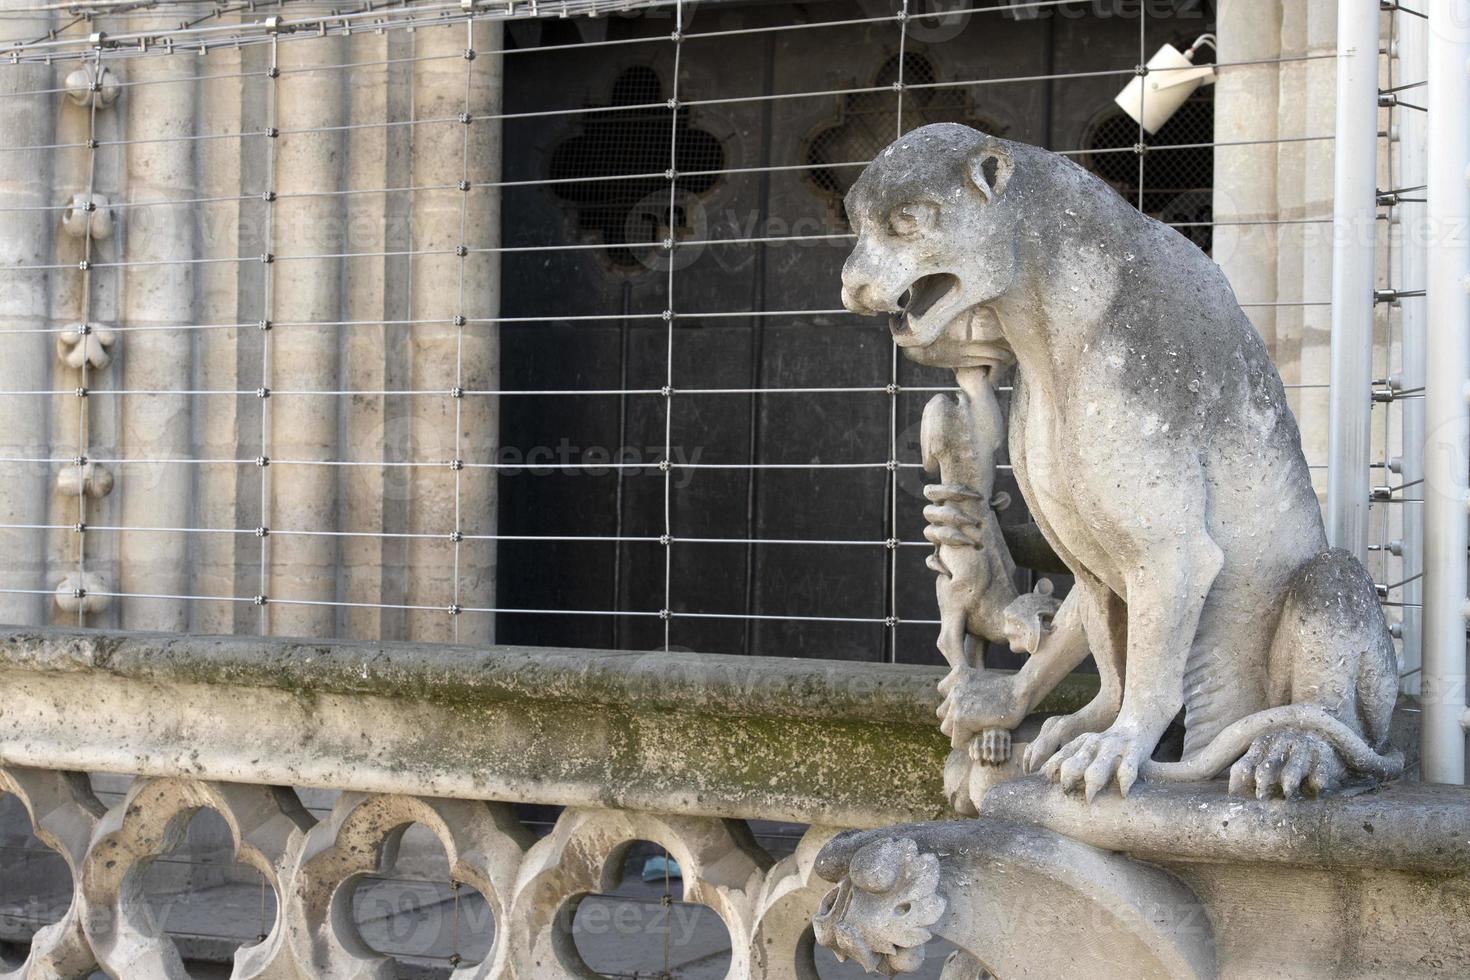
x: 976, y: 702
x: 1284, y: 763
x: 1056, y: 731
x: 1093, y: 761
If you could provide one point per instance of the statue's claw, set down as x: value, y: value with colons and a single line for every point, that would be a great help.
x: 1093, y: 761
x: 1283, y: 764
x: 1060, y: 730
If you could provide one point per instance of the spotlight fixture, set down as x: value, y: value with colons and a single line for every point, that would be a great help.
x: 1172, y: 76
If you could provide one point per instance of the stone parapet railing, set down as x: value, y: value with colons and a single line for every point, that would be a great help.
x: 671, y: 748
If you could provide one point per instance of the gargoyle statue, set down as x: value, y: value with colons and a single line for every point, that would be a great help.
x: 1151, y: 438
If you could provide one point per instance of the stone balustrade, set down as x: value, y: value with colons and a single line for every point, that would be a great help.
x: 675, y: 749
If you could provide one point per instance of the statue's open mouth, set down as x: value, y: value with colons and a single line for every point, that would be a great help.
x: 925, y: 309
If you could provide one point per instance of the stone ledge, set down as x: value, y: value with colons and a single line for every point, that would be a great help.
x: 1404, y: 826
x: 810, y: 741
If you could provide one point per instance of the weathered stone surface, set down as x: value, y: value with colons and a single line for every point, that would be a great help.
x: 802, y: 740
x: 1186, y: 880
x: 1404, y: 826
x: 1020, y: 900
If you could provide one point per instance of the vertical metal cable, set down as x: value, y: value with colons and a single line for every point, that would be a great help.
x: 1142, y: 147
x: 677, y: 37
x: 84, y: 437
x: 457, y: 536
x: 890, y: 617
x: 666, y: 900
x: 267, y: 313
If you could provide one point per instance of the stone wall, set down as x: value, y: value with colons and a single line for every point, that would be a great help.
x: 285, y: 286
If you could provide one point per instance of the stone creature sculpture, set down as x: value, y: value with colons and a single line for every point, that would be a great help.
x: 974, y: 571
x: 1151, y: 438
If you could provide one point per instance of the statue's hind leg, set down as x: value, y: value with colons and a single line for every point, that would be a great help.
x: 1332, y: 649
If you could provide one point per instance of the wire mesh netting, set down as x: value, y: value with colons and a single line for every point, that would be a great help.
x: 562, y: 304
x: 375, y: 322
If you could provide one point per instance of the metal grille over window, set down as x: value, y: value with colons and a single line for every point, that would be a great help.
x: 867, y: 120
x: 630, y: 140
x: 1178, y: 165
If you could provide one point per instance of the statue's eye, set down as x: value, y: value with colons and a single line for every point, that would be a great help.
x: 909, y: 219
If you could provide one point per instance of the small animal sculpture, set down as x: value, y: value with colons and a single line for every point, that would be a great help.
x: 1152, y: 441
x: 959, y: 439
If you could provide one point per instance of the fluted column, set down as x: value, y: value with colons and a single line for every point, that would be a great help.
x: 365, y: 364
x: 158, y: 294
x: 1316, y: 202
x: 25, y: 352
x: 306, y: 304
x: 447, y: 354
x: 1246, y: 98
x: 222, y: 363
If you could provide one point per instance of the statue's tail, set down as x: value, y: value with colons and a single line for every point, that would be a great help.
x: 1235, y: 739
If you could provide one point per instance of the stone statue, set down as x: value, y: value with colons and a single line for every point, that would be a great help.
x: 1152, y: 441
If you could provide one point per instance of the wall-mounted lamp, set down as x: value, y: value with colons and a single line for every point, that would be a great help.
x: 1172, y: 76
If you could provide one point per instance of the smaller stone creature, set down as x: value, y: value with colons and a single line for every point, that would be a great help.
x: 975, y: 573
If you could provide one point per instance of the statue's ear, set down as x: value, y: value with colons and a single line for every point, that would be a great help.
x: 1000, y: 501
x: 989, y: 170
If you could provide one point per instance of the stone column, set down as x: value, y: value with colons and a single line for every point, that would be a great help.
x: 445, y: 354
x: 1246, y: 100
x: 307, y: 302
x: 1320, y: 99
x: 365, y: 362
x: 222, y: 363
x: 158, y: 294
x: 25, y: 353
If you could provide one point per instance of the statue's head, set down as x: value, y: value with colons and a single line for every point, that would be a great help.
x: 935, y: 242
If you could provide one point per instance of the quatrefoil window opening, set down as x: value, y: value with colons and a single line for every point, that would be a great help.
x: 185, y: 885
x: 866, y: 122
x: 35, y: 882
x: 634, y: 143
x: 414, y: 913
x: 638, y: 923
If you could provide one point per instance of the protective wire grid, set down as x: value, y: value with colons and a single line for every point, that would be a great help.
x: 672, y: 229
x: 619, y: 180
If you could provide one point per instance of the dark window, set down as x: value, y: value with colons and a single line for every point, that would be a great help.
x: 1178, y: 165
x: 632, y: 137
x: 868, y: 121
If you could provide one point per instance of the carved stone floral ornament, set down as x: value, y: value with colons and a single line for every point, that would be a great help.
x: 881, y: 912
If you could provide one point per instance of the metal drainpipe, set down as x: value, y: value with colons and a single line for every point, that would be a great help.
x: 1355, y: 195
x: 1413, y: 47
x: 1446, y: 376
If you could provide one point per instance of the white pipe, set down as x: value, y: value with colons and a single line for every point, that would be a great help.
x: 158, y: 294
x: 305, y: 357
x: 1446, y: 530
x: 1413, y: 44
x: 1355, y: 209
x: 25, y: 238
